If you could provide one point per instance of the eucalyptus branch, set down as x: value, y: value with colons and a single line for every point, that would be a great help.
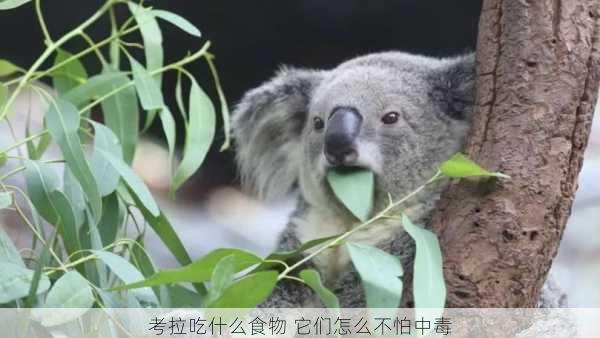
x: 52, y: 47
x: 40, y: 74
x: 95, y: 48
x: 130, y: 44
x: 83, y: 53
x: 73, y: 264
x: 192, y: 57
x: 122, y: 241
x: 382, y: 214
x: 175, y: 65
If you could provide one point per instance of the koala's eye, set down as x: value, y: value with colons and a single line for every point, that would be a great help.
x: 318, y: 123
x: 390, y: 118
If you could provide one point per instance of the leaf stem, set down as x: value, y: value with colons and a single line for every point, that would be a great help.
x: 295, y: 278
x: 285, y: 265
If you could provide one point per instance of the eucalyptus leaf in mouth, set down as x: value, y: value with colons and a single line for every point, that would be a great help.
x: 354, y: 187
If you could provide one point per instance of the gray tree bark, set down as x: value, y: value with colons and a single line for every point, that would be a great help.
x: 538, y: 69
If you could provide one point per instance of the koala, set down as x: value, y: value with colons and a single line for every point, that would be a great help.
x: 399, y: 115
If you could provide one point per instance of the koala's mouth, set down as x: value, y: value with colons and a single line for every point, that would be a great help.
x: 346, y: 169
x: 361, y: 156
x: 358, y: 164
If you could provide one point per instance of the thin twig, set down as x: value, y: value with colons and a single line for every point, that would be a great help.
x: 40, y: 17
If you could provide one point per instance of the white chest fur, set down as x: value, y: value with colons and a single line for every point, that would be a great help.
x: 323, y: 223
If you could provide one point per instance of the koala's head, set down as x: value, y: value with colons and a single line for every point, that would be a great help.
x: 396, y: 114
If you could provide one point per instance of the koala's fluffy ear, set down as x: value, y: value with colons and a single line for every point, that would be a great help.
x: 267, y: 127
x: 454, y: 86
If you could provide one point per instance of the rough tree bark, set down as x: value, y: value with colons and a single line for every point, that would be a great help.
x: 538, y: 69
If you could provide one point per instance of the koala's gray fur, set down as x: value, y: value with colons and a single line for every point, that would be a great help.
x: 279, y: 150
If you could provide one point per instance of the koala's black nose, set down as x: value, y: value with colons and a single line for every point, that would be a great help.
x: 342, y: 130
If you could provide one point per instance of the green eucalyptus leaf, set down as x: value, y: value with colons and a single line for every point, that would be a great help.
x: 95, y: 87
x: 62, y: 120
x: 73, y: 191
x: 148, y: 90
x: 66, y: 222
x: 160, y: 224
x: 179, y: 99
x: 42, y: 145
x: 199, y: 134
x: 6, y: 200
x: 198, y: 271
x: 113, y: 217
x: 70, y: 291
x: 460, y: 165
x: 248, y: 292
x: 69, y: 75
x: 106, y: 140
x: 141, y: 259
x: 52, y: 204
x: 178, y: 21
x: 15, y: 280
x: 30, y: 145
x: 121, y: 114
x: 151, y: 36
x: 312, y: 278
x: 7, y: 67
x: 134, y: 183
x: 222, y: 277
x: 3, y: 159
x: 10, y: 4
x: 170, y: 129
x: 126, y: 273
x: 184, y: 298
x: 153, y: 49
x: 380, y: 273
x: 37, y: 284
x: 96, y: 272
x: 41, y: 180
x: 3, y: 95
x: 429, y: 288
x: 8, y: 251
x: 354, y: 187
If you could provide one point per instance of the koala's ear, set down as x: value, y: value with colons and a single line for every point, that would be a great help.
x: 454, y: 86
x: 267, y: 127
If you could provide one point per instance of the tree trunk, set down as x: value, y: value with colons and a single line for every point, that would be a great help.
x: 538, y: 69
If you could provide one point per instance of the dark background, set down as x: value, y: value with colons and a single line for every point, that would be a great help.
x: 252, y: 38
